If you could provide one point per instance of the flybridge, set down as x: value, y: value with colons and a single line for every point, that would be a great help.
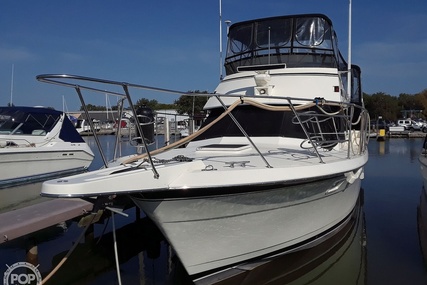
x: 279, y: 42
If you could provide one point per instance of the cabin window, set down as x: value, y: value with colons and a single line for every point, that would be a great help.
x: 240, y: 39
x: 310, y: 32
x: 298, y: 41
x: 356, y: 96
x: 274, y: 33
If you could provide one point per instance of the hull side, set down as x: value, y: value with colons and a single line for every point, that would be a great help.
x: 29, y: 166
x: 208, y: 233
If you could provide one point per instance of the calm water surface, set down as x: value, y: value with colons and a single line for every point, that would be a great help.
x: 380, y: 245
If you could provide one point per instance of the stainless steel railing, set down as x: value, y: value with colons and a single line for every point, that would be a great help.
x: 323, y: 129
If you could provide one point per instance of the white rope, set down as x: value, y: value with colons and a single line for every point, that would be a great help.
x: 116, y: 254
x: 69, y: 252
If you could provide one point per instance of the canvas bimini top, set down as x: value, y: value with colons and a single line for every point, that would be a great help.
x: 35, y: 121
x: 287, y: 41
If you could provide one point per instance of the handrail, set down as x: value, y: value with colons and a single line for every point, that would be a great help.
x: 95, y: 135
x: 225, y: 113
x: 244, y: 132
x: 55, y: 79
x: 119, y: 127
x: 305, y: 131
x: 67, y: 81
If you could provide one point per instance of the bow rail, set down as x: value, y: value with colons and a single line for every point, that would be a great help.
x: 308, y: 120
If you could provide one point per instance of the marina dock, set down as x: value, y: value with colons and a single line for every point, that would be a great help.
x: 20, y: 222
x: 405, y: 134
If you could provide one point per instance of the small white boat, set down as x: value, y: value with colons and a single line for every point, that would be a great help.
x: 83, y: 127
x: 276, y: 166
x: 39, y: 143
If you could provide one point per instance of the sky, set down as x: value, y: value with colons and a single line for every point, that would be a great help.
x: 174, y: 44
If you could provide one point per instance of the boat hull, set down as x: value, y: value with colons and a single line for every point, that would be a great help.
x: 209, y: 233
x: 27, y: 165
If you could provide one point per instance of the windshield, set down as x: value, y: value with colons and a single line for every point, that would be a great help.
x: 292, y: 41
x: 21, y: 121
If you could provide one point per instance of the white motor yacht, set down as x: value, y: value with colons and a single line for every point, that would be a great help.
x: 277, y: 164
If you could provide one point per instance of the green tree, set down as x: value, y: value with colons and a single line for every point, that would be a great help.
x: 422, y: 100
x: 153, y: 104
x: 191, y: 105
x: 91, y: 107
x: 162, y: 106
x: 147, y: 103
x: 381, y: 104
x: 409, y: 102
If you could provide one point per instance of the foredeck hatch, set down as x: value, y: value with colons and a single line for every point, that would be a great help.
x: 224, y: 147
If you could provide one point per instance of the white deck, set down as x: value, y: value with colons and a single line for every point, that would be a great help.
x: 215, y: 168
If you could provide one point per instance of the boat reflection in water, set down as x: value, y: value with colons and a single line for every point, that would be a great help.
x: 146, y: 258
x: 422, y: 159
x: 20, y: 196
x: 138, y: 242
x: 422, y: 223
x: 422, y: 208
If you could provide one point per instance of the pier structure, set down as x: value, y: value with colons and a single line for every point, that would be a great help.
x: 20, y: 222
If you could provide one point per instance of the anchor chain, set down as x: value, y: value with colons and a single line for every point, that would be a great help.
x: 178, y: 158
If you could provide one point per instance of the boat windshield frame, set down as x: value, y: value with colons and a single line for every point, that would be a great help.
x: 27, y: 121
x: 36, y: 121
x: 279, y: 42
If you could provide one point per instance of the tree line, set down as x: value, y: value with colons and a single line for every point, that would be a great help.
x: 393, y: 108
x: 378, y: 104
x: 191, y: 105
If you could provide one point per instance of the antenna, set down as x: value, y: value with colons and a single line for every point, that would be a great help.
x: 349, y: 76
x: 269, y: 45
x: 220, y: 39
x: 228, y: 22
x: 11, y: 86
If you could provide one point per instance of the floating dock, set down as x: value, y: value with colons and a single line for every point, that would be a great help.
x: 405, y: 134
x: 20, y: 222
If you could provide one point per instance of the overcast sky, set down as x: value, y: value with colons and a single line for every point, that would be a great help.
x: 175, y: 43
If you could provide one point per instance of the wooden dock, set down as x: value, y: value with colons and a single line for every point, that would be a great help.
x: 27, y: 220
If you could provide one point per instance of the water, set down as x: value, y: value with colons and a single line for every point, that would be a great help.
x: 380, y: 246
x: 393, y: 187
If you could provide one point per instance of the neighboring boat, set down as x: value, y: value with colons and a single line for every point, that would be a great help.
x: 39, y: 143
x: 276, y: 166
x: 83, y: 126
x: 127, y: 128
x: 184, y: 133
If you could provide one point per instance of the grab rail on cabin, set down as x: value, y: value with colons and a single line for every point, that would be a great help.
x: 312, y: 123
x: 322, y: 131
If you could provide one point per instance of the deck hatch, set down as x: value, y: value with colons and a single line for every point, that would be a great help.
x: 223, y: 147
